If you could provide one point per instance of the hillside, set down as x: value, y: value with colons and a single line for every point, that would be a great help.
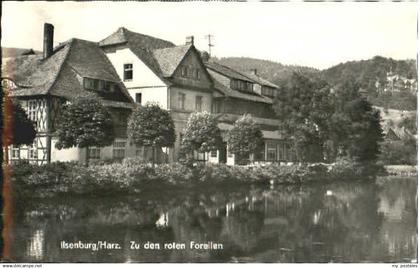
x: 373, y: 75
x: 273, y: 71
x: 368, y: 72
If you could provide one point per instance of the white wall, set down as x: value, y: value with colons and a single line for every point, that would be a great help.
x: 64, y: 155
x: 144, y: 80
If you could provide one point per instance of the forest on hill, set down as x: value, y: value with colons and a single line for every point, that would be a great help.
x: 370, y: 75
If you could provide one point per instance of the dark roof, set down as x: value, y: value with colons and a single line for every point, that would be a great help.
x: 259, y: 80
x: 227, y: 71
x: 141, y: 45
x: 56, y: 75
x: 228, y: 92
x: 169, y: 58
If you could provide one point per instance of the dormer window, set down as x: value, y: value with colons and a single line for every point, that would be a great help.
x: 241, y: 85
x: 99, y: 85
x: 267, y: 91
x: 128, y: 72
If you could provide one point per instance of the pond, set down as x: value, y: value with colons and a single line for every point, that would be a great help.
x: 335, y: 222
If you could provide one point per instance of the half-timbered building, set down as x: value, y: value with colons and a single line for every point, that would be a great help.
x: 127, y: 69
x: 44, y: 82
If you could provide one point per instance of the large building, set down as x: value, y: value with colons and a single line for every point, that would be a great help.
x: 127, y: 69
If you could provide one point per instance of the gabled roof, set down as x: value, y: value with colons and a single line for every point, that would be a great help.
x: 36, y: 76
x: 259, y: 80
x: 141, y: 45
x: 228, y: 92
x: 169, y: 58
x: 226, y: 71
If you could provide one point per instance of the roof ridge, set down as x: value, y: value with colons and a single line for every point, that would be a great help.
x: 71, y: 42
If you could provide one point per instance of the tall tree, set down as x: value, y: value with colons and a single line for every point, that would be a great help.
x: 83, y: 123
x: 304, y: 106
x: 152, y: 126
x: 245, y: 138
x: 201, y: 134
x: 355, y: 128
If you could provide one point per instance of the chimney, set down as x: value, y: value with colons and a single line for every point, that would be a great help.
x: 205, y: 56
x: 189, y: 40
x: 254, y: 71
x: 48, y: 40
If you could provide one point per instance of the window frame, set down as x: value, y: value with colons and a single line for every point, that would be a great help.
x: 128, y: 71
x: 199, y: 103
x: 181, y: 100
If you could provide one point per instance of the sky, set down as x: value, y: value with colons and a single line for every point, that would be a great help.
x: 316, y: 34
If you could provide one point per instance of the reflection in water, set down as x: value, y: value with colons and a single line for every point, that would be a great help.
x: 36, y: 245
x: 338, y: 222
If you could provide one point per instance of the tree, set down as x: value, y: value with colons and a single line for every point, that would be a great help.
x: 304, y: 106
x: 201, y: 134
x: 22, y: 128
x: 18, y: 129
x: 245, y: 138
x: 152, y: 126
x: 83, y: 123
x: 355, y: 128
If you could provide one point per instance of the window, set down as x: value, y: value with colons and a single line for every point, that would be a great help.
x: 119, y: 149
x: 181, y: 101
x: 94, y: 153
x: 197, y: 74
x: 140, y: 151
x: 213, y: 154
x: 32, y: 152
x: 271, y: 152
x: 180, y: 138
x: 128, y: 72
x: 138, y: 98
x: 32, y: 112
x: 15, y: 152
x: 267, y: 91
x: 184, y: 71
x: 198, y: 103
x: 89, y: 83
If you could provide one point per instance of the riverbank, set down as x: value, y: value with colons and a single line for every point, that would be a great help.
x: 401, y: 170
x: 135, y: 176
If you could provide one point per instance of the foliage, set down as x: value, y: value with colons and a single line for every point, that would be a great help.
x: 245, y: 137
x: 304, y: 107
x: 84, y: 122
x: 150, y: 125
x: 399, y: 152
x: 355, y: 129
x: 367, y: 73
x: 409, y: 123
x: 201, y: 134
x: 18, y: 128
x: 132, y: 176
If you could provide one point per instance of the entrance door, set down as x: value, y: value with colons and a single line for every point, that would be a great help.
x: 223, y: 153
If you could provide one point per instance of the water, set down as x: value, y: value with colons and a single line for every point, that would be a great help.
x: 338, y: 222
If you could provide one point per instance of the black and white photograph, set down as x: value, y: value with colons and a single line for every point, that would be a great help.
x: 209, y: 132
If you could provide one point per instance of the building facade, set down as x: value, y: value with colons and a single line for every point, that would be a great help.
x: 127, y: 69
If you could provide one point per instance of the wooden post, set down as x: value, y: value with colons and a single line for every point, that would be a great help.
x: 48, y: 130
